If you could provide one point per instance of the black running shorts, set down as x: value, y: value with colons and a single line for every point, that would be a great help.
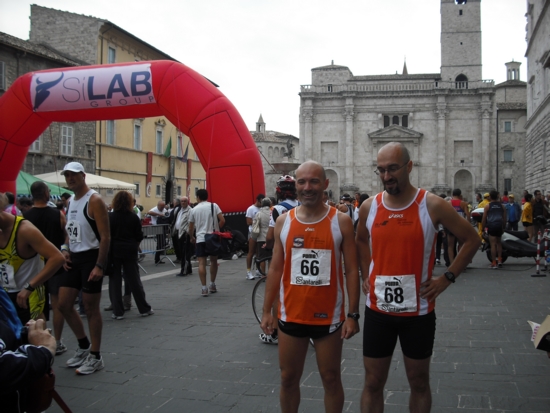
x: 380, y: 332
x: 82, y: 264
x: 310, y: 331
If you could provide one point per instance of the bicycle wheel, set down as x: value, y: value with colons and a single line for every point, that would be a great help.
x: 258, y: 294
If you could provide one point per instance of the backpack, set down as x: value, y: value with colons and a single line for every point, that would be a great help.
x: 256, y: 226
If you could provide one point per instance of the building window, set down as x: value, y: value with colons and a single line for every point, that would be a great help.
x: 179, y: 143
x: 461, y: 82
x: 3, y: 76
x: 329, y: 88
x: 110, y: 131
x: 158, y: 140
x: 157, y: 190
x: 544, y: 148
x: 111, y: 58
x: 179, y: 190
x: 508, y: 155
x: 402, y: 120
x: 508, y: 126
x: 36, y: 146
x: 66, y: 140
x: 137, y: 188
x: 508, y: 184
x: 137, y: 135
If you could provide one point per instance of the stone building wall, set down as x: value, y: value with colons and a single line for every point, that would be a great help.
x: 70, y: 33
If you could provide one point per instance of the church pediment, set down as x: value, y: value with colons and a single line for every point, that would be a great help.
x: 395, y: 132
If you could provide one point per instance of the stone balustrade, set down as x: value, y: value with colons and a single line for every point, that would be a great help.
x: 395, y: 86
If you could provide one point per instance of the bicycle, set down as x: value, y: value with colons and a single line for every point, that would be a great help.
x: 258, y: 293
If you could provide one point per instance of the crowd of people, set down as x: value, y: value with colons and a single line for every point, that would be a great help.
x: 323, y: 254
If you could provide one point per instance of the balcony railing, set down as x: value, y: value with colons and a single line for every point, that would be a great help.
x: 396, y: 87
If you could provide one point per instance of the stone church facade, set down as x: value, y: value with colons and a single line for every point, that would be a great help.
x: 279, y: 153
x: 447, y: 120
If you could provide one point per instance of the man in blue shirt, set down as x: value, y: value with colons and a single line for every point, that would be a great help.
x: 513, y: 212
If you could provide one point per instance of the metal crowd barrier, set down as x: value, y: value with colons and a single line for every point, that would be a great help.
x: 156, y: 238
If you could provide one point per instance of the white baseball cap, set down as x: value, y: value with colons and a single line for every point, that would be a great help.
x: 73, y: 167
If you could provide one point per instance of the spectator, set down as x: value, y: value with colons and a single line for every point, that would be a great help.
x: 51, y: 223
x: 540, y: 209
x: 262, y: 217
x: 513, y: 213
x: 21, y: 363
x: 206, y: 218
x: 527, y: 217
x: 126, y: 234
x: 11, y: 208
x: 159, y: 215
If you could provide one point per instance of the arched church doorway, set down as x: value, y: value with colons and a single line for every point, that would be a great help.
x: 333, y: 185
x: 463, y: 179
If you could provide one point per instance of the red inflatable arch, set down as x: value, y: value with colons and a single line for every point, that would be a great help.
x: 223, y: 143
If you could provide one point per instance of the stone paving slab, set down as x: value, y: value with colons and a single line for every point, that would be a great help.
x: 203, y: 355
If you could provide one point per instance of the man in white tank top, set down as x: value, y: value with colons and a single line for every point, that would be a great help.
x: 85, y: 251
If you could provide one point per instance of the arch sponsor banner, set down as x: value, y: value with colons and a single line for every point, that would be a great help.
x: 92, y: 88
x: 193, y: 104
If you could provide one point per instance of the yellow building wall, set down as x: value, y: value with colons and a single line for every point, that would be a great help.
x: 120, y: 160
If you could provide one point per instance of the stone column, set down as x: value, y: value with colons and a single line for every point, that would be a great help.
x: 441, y: 113
x: 348, y: 115
x: 307, y: 149
x: 485, y: 144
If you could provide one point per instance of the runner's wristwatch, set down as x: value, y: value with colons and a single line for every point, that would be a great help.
x: 355, y: 316
x: 28, y: 287
x: 450, y: 276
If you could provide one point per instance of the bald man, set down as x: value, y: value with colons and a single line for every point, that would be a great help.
x: 400, y: 289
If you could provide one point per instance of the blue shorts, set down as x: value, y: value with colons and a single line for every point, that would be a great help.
x: 200, y: 249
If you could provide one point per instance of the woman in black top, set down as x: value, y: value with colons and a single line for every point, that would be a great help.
x: 126, y: 234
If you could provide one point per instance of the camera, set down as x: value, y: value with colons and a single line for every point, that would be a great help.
x: 24, y: 335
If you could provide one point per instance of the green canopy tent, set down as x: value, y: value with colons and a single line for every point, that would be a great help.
x: 25, y: 180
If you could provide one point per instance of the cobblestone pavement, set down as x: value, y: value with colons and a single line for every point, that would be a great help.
x: 202, y: 354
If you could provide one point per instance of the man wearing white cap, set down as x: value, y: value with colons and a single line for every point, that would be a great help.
x: 85, y: 251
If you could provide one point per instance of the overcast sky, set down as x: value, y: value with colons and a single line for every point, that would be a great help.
x: 261, y: 51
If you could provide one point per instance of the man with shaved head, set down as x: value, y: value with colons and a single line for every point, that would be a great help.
x: 306, y: 273
x: 396, y: 235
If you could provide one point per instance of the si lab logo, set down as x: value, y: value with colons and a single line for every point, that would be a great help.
x: 100, y: 87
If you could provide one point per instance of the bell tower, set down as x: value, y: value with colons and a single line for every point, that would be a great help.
x: 461, y: 41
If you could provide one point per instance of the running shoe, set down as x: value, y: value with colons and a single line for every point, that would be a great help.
x: 90, y: 365
x: 258, y: 274
x: 79, y: 357
x: 212, y: 288
x: 60, y: 349
x: 249, y: 276
x: 204, y: 291
x: 148, y: 313
x: 117, y: 317
x: 268, y: 339
x: 499, y: 264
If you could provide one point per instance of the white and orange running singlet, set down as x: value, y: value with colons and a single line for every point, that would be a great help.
x: 402, y: 256
x: 311, y: 290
